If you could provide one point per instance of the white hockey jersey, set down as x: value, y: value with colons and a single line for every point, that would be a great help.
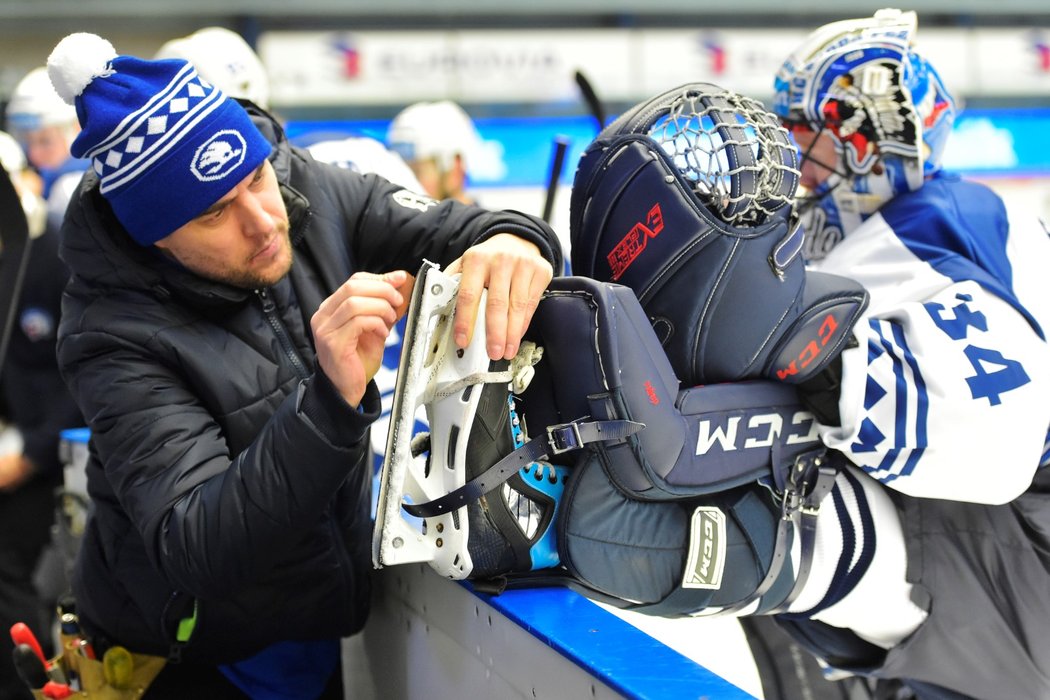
x: 947, y: 394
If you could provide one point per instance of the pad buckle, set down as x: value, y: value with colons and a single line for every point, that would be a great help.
x: 564, y: 437
x: 811, y: 479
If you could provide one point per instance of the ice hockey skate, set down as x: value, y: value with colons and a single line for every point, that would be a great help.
x: 439, y: 509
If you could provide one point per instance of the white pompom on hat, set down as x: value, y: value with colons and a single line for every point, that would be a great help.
x: 76, y: 61
x: 165, y: 143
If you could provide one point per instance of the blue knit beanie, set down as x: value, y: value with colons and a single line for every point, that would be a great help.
x: 165, y: 143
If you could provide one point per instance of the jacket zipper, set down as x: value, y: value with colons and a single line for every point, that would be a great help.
x: 270, y: 310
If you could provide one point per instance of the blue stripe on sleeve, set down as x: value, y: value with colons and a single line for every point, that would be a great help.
x: 894, y: 344
x: 959, y: 228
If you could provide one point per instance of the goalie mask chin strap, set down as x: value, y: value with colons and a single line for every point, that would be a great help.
x: 560, y: 438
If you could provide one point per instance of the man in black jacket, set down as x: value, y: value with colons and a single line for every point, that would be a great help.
x: 220, y: 335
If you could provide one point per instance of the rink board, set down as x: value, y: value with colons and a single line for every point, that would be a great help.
x: 434, y: 638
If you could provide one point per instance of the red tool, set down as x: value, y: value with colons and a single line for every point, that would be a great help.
x: 57, y: 691
x: 21, y: 634
x: 31, y: 670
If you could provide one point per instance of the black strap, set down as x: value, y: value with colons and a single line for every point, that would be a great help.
x: 781, y: 552
x: 811, y: 479
x: 560, y: 438
x: 815, y: 480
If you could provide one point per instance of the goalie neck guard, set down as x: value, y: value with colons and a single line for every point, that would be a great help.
x: 688, y: 199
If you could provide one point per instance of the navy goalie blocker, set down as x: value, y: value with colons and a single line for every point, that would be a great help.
x: 649, y: 445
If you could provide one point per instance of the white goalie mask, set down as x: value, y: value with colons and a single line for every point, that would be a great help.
x: 887, y: 111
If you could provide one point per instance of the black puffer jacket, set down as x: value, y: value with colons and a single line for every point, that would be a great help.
x: 224, y: 472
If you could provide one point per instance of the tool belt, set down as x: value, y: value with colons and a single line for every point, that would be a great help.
x: 116, y: 675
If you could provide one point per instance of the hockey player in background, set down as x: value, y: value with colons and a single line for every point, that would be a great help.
x: 440, y: 143
x: 45, y: 126
x: 35, y: 406
x: 914, y: 492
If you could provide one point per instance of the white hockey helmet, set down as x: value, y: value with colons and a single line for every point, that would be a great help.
x: 12, y: 157
x: 439, y: 130
x: 223, y: 58
x: 34, y: 105
x: 862, y: 82
x: 13, y: 160
x: 363, y: 154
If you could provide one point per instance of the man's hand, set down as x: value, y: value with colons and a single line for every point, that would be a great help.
x: 14, y: 470
x: 515, y: 274
x: 350, y: 328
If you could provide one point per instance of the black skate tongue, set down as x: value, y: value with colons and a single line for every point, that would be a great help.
x: 490, y: 436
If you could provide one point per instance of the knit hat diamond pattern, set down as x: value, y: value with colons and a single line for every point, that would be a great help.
x: 147, y: 133
x: 165, y: 143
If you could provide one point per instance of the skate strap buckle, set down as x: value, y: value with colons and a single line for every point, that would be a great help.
x: 564, y: 437
x: 560, y: 438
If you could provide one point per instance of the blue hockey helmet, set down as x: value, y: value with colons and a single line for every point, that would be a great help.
x: 885, y: 107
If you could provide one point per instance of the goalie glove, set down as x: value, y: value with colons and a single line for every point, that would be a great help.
x: 688, y: 199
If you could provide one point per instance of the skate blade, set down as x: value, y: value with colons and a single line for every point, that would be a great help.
x: 429, y: 359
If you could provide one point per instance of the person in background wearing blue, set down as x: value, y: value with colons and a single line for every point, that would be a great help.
x: 228, y: 310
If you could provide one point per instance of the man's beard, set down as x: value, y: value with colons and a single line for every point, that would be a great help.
x: 245, y: 276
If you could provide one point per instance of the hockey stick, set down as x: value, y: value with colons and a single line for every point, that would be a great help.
x: 561, y: 145
x: 14, y: 254
x: 591, y: 98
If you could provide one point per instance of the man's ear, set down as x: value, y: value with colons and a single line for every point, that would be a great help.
x: 460, y: 170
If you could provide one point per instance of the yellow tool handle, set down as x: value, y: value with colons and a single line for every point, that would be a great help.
x: 118, y: 667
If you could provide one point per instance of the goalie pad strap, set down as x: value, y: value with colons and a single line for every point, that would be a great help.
x: 805, y: 518
x: 809, y: 482
x: 560, y: 438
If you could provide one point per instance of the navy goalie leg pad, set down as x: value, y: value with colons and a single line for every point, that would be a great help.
x: 603, y: 415
x: 674, y: 558
x: 688, y: 200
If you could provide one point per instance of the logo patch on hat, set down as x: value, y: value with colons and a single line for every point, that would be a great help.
x: 219, y: 156
x: 707, y: 549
